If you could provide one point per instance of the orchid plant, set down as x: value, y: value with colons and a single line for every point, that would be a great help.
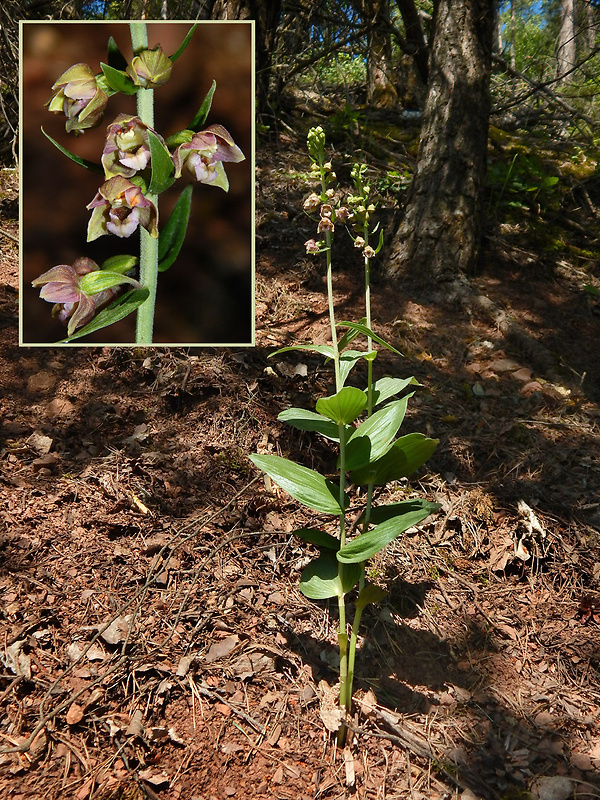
x: 137, y: 165
x: 363, y: 424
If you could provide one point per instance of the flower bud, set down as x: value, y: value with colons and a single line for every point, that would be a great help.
x: 78, y: 96
x: 330, y: 193
x: 150, y: 68
x: 316, y: 143
x: 120, y: 208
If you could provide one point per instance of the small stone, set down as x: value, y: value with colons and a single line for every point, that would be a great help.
x: 530, y: 388
x: 59, y: 407
x: 42, y: 381
x: 47, y: 462
x: 554, y: 787
x: 582, y: 761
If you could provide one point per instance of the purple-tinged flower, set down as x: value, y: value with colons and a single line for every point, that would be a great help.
x: 325, y: 224
x: 78, y: 96
x: 326, y: 211
x: 204, y: 154
x: 150, y: 68
x: 60, y: 285
x: 312, y: 202
x: 119, y: 208
x: 127, y: 149
x: 312, y: 247
x: 342, y: 214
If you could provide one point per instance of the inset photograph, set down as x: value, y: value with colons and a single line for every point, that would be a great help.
x: 137, y: 183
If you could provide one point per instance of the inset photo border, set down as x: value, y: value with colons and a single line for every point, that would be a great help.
x: 92, y: 208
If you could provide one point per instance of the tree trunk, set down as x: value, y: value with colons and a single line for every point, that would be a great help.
x: 440, y: 235
x: 381, y: 92
x: 266, y: 14
x: 566, y: 49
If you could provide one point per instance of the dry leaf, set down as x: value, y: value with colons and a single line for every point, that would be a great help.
x: 74, y: 714
x: 16, y: 660
x: 136, y: 727
x: 118, y: 630
x: 349, y: 767
x: 221, y: 649
x: 330, y: 712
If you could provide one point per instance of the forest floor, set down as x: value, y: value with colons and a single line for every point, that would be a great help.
x: 154, y: 641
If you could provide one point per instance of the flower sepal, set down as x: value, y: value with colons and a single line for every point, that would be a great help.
x: 100, y: 281
x: 181, y: 137
x: 122, y: 264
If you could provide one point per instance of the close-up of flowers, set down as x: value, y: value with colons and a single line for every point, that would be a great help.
x: 139, y: 164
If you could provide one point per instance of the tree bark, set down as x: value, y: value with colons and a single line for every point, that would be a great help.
x: 266, y: 14
x: 381, y: 92
x: 566, y: 48
x: 440, y: 235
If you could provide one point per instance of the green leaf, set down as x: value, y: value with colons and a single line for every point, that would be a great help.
x: 406, y: 455
x: 118, y: 80
x: 204, y: 109
x: 323, y: 349
x: 359, y: 328
x: 365, y: 545
x: 349, y: 336
x: 343, y: 407
x: 374, y: 436
x: 184, y: 44
x: 386, y: 387
x: 305, y: 485
x: 369, y: 594
x: 118, y: 309
x: 321, y: 578
x: 318, y: 538
x: 172, y: 236
x: 310, y: 421
x: 163, y: 169
x: 98, y: 281
x: 349, y: 359
x: 122, y: 264
x: 83, y: 162
x: 116, y: 59
x: 383, y: 513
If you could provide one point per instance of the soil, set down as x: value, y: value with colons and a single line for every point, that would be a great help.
x: 154, y: 641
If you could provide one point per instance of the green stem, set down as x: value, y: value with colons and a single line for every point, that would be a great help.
x: 148, y: 244
x: 352, y: 652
